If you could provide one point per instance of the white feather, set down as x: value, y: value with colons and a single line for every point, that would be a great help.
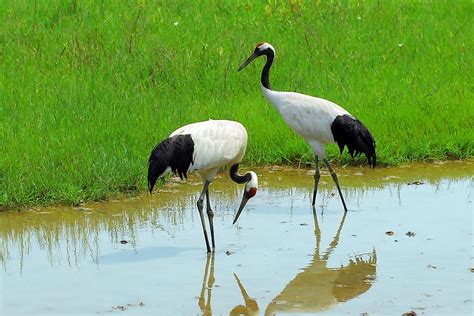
x: 264, y: 46
x: 253, y: 183
x: 308, y: 116
x: 216, y: 144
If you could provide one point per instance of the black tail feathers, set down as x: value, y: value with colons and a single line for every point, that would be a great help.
x: 351, y: 132
x: 174, y: 152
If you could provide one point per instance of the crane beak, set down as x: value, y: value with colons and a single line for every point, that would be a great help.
x: 248, y: 61
x: 244, y: 201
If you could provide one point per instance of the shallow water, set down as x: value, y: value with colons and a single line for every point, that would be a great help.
x: 280, y: 257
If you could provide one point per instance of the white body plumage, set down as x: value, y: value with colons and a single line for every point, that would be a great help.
x: 308, y: 116
x: 217, y: 143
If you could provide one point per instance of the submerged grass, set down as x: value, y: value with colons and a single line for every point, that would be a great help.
x: 88, y: 88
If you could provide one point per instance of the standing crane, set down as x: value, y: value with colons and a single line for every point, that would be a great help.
x: 204, y: 147
x: 317, y: 120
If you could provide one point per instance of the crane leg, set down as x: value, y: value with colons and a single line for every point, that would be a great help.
x: 200, y: 207
x: 317, y: 175
x: 334, y: 177
x: 210, y: 216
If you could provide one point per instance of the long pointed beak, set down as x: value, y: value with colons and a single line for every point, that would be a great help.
x: 244, y: 201
x: 248, y: 61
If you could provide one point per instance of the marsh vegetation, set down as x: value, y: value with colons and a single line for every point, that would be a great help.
x: 88, y: 88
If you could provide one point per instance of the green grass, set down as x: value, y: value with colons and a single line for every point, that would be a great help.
x: 89, y: 87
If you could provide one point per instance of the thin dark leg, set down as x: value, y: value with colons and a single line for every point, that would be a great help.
x: 317, y: 175
x: 200, y: 207
x: 210, y: 216
x: 334, y: 177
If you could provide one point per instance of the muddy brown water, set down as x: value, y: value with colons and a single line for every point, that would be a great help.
x: 146, y: 255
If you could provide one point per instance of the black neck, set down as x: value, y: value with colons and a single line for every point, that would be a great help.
x: 236, y: 177
x: 266, y: 69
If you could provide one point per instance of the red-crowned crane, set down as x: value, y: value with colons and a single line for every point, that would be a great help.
x: 204, y: 147
x: 317, y: 120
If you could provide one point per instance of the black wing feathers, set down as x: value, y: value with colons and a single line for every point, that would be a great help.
x: 182, y: 155
x: 351, y: 132
x: 158, y: 161
x: 175, y: 152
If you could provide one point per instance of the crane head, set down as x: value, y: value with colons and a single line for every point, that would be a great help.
x: 260, y: 49
x: 249, y: 192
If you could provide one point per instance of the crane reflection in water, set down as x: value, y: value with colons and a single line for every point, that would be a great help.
x: 317, y: 287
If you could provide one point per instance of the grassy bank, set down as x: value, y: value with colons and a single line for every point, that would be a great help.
x: 87, y: 89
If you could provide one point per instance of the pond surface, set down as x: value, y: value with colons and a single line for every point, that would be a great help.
x: 401, y: 247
